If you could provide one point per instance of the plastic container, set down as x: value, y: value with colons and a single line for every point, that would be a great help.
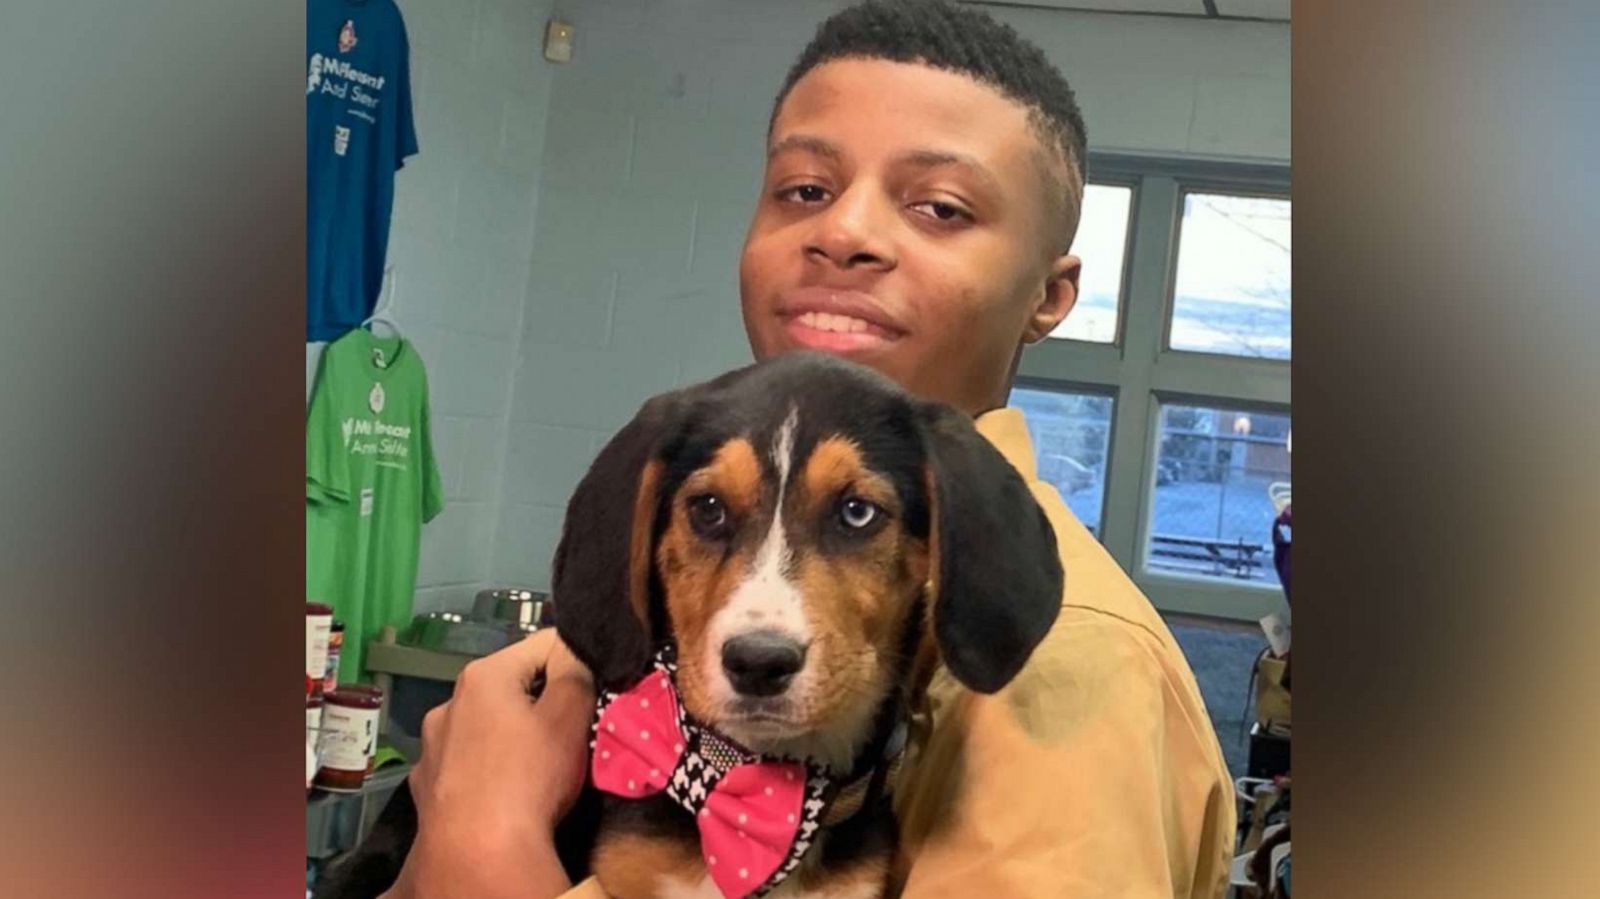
x: 319, y: 625
x: 349, y: 737
x: 330, y: 682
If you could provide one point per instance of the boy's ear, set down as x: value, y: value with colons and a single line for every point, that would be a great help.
x: 1059, y: 295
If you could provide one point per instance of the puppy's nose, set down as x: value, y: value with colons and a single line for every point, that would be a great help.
x: 762, y: 663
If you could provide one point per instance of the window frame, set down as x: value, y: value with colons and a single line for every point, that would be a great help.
x: 1141, y: 372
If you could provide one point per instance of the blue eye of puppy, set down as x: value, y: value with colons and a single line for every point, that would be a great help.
x: 708, y: 515
x: 856, y: 513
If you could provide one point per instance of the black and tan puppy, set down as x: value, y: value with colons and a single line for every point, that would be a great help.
x: 801, y: 530
x: 810, y: 540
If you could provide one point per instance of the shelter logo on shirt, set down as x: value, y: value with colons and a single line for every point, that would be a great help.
x: 371, y: 437
x: 343, y: 80
x: 347, y: 36
x: 339, y: 78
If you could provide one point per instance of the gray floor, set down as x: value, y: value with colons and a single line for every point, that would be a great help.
x: 1221, y: 655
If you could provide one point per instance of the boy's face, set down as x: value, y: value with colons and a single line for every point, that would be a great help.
x: 905, y: 223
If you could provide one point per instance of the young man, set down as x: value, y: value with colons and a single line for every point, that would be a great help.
x: 924, y: 177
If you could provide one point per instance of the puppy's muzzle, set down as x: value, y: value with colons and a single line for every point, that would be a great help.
x: 762, y: 663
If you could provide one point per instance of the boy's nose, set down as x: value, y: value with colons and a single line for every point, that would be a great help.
x: 850, y: 233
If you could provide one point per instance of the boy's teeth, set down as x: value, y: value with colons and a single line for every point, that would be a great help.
x: 825, y: 321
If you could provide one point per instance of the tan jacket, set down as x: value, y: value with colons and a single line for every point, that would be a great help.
x: 1095, y: 773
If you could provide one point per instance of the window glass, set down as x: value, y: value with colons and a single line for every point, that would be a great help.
x: 1101, y: 242
x: 1213, y: 506
x: 1231, y: 291
x: 1071, y: 437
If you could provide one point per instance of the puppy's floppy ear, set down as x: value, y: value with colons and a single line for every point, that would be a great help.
x: 996, y: 574
x: 602, y: 572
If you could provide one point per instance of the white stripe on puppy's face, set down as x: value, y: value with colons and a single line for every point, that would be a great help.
x: 766, y: 599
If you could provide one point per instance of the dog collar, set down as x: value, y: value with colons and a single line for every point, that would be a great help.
x: 758, y: 815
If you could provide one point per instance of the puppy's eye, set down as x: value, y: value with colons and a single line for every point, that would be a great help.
x: 856, y: 513
x: 708, y: 515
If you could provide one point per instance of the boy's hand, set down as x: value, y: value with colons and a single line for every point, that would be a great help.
x: 498, y: 771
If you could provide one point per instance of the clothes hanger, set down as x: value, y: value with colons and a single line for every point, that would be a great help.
x: 380, y: 313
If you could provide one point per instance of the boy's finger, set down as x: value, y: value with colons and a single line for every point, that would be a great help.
x: 563, y: 665
x: 515, y: 666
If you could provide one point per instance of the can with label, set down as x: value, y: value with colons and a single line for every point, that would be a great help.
x: 349, y: 737
x: 319, y: 624
x: 330, y: 682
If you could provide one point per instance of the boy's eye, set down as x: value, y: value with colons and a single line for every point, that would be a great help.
x: 805, y: 193
x: 944, y: 212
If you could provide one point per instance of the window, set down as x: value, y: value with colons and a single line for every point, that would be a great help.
x: 1187, y: 355
x: 1071, y: 438
x: 1212, y: 509
x: 1231, y: 290
x: 1101, y: 242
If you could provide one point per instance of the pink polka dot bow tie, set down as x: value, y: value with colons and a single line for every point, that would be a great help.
x: 757, y: 817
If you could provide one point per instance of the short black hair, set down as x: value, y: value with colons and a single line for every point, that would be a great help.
x: 942, y: 35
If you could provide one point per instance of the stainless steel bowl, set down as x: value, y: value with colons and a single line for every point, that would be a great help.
x: 526, y: 609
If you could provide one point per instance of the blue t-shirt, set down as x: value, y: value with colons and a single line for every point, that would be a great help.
x: 358, y: 134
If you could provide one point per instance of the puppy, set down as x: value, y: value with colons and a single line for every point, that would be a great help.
x: 807, y: 540
x: 763, y: 572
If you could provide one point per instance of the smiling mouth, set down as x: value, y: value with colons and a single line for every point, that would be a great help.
x: 840, y: 324
x: 836, y: 332
x: 836, y: 320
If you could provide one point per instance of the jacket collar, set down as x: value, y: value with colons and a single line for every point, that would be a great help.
x: 1008, y: 431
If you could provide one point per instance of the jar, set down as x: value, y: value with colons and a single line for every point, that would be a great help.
x: 319, y: 624
x: 349, y: 737
x: 313, y: 715
x: 313, y: 733
x: 375, y: 691
x: 330, y: 682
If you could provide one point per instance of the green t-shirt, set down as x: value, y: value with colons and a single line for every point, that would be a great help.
x: 371, y: 482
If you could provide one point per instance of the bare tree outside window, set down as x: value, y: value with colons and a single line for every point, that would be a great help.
x: 1231, y: 294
